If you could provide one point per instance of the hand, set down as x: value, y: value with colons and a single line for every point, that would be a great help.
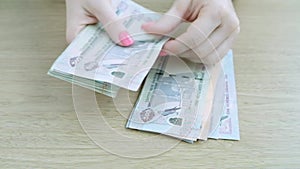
x: 209, y: 37
x: 81, y: 13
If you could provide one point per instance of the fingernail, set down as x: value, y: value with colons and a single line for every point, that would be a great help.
x: 145, y: 25
x: 125, y: 39
x: 163, y: 53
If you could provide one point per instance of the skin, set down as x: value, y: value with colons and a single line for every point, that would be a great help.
x: 213, y: 29
x: 81, y: 13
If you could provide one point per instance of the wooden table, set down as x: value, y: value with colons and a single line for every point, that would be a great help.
x: 39, y: 127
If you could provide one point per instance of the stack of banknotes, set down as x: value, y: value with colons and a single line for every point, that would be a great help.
x: 93, y: 61
x: 176, y: 101
x: 177, y: 98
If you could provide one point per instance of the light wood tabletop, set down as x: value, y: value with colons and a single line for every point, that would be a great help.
x: 39, y: 127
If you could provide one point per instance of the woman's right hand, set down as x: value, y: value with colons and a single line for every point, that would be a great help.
x: 81, y: 13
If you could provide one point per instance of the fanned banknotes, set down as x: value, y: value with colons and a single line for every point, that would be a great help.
x: 178, y: 97
x: 175, y: 98
x: 93, y: 61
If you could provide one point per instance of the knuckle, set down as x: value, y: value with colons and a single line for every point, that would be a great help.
x: 229, y: 16
x: 238, y: 30
x: 234, y: 24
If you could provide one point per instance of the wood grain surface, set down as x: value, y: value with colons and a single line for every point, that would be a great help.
x: 39, y: 126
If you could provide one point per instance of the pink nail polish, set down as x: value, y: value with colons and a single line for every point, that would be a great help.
x: 125, y: 39
x: 163, y: 53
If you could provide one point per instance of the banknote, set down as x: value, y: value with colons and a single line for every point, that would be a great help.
x: 172, y: 100
x: 92, y: 60
x: 178, y: 102
x: 97, y: 86
x: 228, y: 128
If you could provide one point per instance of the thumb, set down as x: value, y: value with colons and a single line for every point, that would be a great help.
x: 168, y: 22
x: 113, y: 25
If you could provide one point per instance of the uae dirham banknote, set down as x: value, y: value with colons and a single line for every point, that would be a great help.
x: 94, y: 61
x: 175, y: 101
x: 228, y: 127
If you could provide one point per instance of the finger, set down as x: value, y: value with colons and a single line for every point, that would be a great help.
x: 169, y: 21
x: 217, y: 37
x: 77, y: 19
x: 193, y: 54
x: 113, y: 24
x: 190, y: 55
x: 72, y: 31
x: 216, y: 55
x: 196, y: 34
x: 74, y: 26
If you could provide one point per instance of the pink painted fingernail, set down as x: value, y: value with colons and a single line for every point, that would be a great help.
x: 125, y: 39
x: 163, y: 53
